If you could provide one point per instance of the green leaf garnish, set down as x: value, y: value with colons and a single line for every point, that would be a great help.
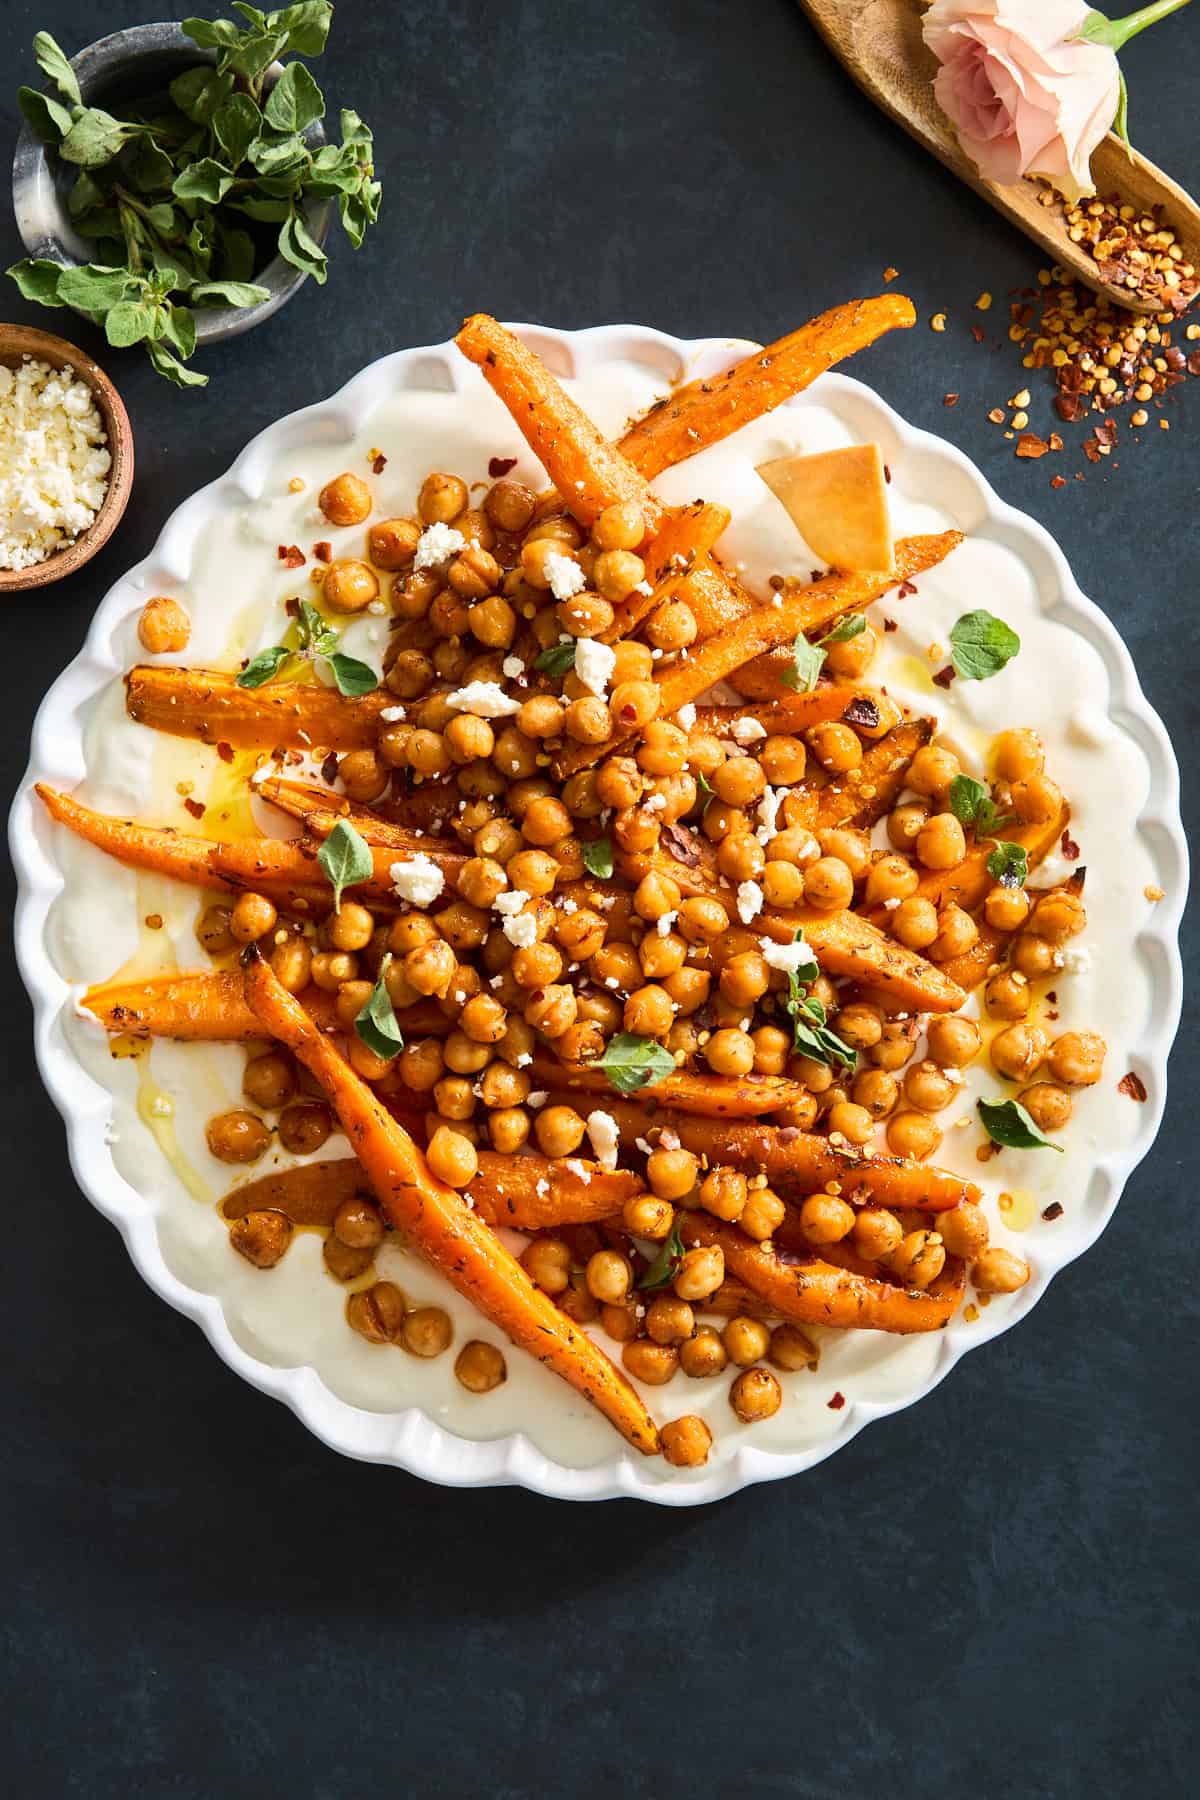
x: 662, y: 1270
x: 376, y: 1024
x: 807, y: 662
x: 981, y: 645
x: 350, y: 676
x: 54, y: 66
x: 598, y: 858
x: 345, y: 858
x: 37, y: 279
x: 850, y: 627
x: 1009, y: 865
x: 295, y: 102
x: 812, y: 1037
x: 632, y: 1062
x: 1009, y: 1125
x: 263, y: 667
x: 557, y: 659
x: 971, y: 804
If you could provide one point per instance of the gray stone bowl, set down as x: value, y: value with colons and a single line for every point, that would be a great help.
x: 126, y: 65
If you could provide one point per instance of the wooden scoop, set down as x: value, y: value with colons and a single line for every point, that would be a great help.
x: 880, y: 43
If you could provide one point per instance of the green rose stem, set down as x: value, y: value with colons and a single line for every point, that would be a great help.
x: 1116, y: 33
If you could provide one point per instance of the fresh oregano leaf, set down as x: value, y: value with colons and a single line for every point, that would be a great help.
x: 350, y: 676
x: 1009, y: 1125
x: 94, y: 288
x: 170, y: 366
x: 48, y: 118
x: 377, y: 1025
x: 662, y: 1270
x: 300, y: 248
x: 129, y: 322
x: 237, y: 123
x: 228, y: 293
x: 37, y: 279
x: 345, y: 859
x: 631, y: 1062
x: 263, y: 667
x: 807, y: 663
x: 557, y: 659
x: 53, y: 63
x: 295, y: 102
x: 1009, y: 865
x: 981, y: 645
x: 306, y: 26
x: 598, y: 858
x: 95, y: 138
x: 852, y: 626
x: 205, y: 180
x: 972, y: 804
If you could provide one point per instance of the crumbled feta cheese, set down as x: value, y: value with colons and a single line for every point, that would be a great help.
x: 563, y: 574
x: 538, y: 1098
x: 768, y: 814
x: 1076, y: 959
x: 643, y: 1146
x: 541, y: 1186
x: 417, y: 880
x: 747, y: 731
x: 1056, y: 870
x: 665, y: 923
x: 519, y: 928
x: 391, y: 714
x: 643, y: 587
x: 892, y: 904
x: 602, y: 1129
x: 654, y: 803
x: 378, y: 607
x: 785, y: 957
x: 594, y: 665
x: 580, y: 1169
x: 486, y: 699
x: 568, y: 906
x: 512, y: 902
x: 687, y: 716
x: 749, y: 901
x: 437, y: 545
x: 511, y: 667
x: 53, y: 462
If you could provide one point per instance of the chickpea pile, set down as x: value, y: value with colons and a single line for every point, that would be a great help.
x: 502, y: 614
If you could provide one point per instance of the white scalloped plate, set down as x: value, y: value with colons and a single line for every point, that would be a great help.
x: 938, y: 480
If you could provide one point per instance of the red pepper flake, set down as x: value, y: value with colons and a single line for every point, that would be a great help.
x: 154, y: 921
x: 1070, y: 407
x: 1053, y: 1211
x: 887, y: 473
x: 329, y: 769
x: 500, y: 465
x: 837, y: 1403
x: 378, y: 463
x: 863, y: 711
x: 890, y: 274
x: 1057, y: 481
x: 680, y: 843
x: 905, y: 589
x: 1091, y: 450
x: 323, y: 551
x: 196, y: 808
x: 1069, y: 847
x: 1030, y: 446
x: 944, y: 677
x: 1193, y: 363
x: 1056, y: 442
x: 977, y: 333
x: 225, y: 752
x: 1105, y: 432
x: 949, y: 399
x: 1052, y: 996
x: 1133, y: 1085
x: 890, y: 625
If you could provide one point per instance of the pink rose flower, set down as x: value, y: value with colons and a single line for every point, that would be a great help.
x: 1025, y: 93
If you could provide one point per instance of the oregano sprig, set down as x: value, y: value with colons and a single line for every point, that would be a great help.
x: 316, y: 640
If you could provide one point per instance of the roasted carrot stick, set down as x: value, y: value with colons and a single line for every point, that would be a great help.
x: 320, y: 810
x: 969, y: 884
x: 687, y: 534
x: 704, y: 412
x: 862, y: 797
x: 588, y: 471
x: 505, y: 1191
x: 846, y: 944
x: 437, y: 1222
x: 816, y: 1292
x: 788, y: 714
x: 209, y: 705
x: 285, y: 869
x: 209, y: 1006
x: 803, y: 609
x: 798, y: 1161
x: 714, y: 1096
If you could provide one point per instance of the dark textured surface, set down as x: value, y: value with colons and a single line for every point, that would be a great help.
x: 992, y: 1593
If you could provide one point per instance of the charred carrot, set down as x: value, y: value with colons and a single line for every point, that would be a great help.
x: 704, y: 412
x: 862, y: 797
x: 714, y: 1096
x: 209, y: 705
x: 438, y: 1223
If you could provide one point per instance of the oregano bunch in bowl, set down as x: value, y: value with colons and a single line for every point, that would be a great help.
x: 186, y: 193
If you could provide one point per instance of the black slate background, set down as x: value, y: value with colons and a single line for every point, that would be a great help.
x: 993, y: 1593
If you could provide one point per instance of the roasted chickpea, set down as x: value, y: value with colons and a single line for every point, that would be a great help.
x: 1007, y: 995
x: 343, y: 1263
x: 480, y: 1367
x: 1077, y: 1058
x: 430, y: 967
x: 269, y: 1080
x: 646, y: 1216
x: 702, y: 920
x: 452, y: 1157
x: 304, y: 1127
x: 730, y: 1052
x: 700, y: 1272
x: 912, y: 1134
x: 931, y: 771
x: 261, y: 1237
x: 559, y: 1130
x: 377, y: 1313
x: 454, y: 1098
x: 392, y: 543
x: 619, y: 527
x: 1036, y: 800
x: 957, y: 931
x: 723, y: 1193
x: 648, y: 1012
x: 941, y: 844
x: 853, y: 656
x: 740, y: 857
x: 791, y: 1349
x: 346, y: 500
x: 929, y: 1088
x: 1033, y: 956
x: 1048, y: 1105
x: 1017, y: 1051
x: 782, y: 884
x: 746, y: 1340
x: 329, y: 969
x: 537, y: 966
x: 686, y: 1441
x: 755, y: 1394
x: 163, y: 626
x: 672, y: 626
x: 349, y: 585
x: 892, y: 877
x: 918, y: 1258
x: 421, y: 1065
x: 441, y: 499
x: 771, y: 1049
x: 905, y: 824
x: 672, y: 1173
x: 363, y: 776
x: 876, y: 1091
x: 828, y: 884
x: 252, y: 917
x: 669, y: 1320
x: 1006, y: 908
x: 783, y: 760
x: 214, y: 930
x: 351, y: 927
x: 616, y: 573
x: 237, y: 1136
x: 426, y: 1331
x: 508, y: 1129
x: 860, y: 1025
x: 703, y: 1355
x: 997, y: 1271
x: 953, y: 1041
x: 824, y: 1219
x: 964, y: 1229
x: 836, y: 747
x: 655, y: 896
x: 1017, y: 755
x: 609, y: 1277
x: 634, y: 661
x: 739, y: 781
x: 660, y: 956
x: 552, y: 1011
x: 1058, y: 917
x: 509, y: 505
x: 745, y: 978
x: 651, y: 1363
x: 546, y: 821
x: 763, y: 1214
x: 547, y: 1262
x: 620, y: 1322
x: 895, y: 1048
x: 877, y: 1233
x: 915, y: 923
x: 850, y: 1121
x: 633, y: 704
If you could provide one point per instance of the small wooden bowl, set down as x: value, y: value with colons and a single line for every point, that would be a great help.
x: 18, y: 341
